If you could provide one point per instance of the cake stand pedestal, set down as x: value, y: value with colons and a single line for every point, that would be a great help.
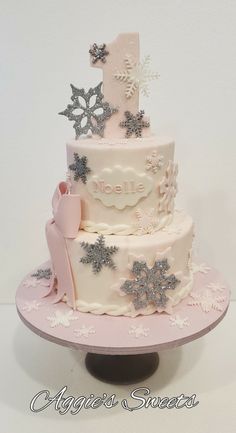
x: 124, y: 349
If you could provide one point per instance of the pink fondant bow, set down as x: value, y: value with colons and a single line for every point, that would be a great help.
x: 65, y: 224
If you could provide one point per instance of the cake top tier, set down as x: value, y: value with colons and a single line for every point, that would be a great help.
x: 111, y: 108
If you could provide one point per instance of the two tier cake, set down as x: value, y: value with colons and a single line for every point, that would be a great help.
x: 117, y: 244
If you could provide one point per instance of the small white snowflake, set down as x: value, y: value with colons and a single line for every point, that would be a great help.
x: 207, y: 301
x: 139, y: 331
x: 168, y: 188
x: 33, y: 282
x: 154, y: 162
x: 178, y: 321
x: 31, y: 305
x: 200, y: 267
x: 172, y: 229
x: 69, y: 179
x: 216, y: 287
x: 136, y: 76
x: 62, y: 318
x: 147, y: 221
x: 84, y: 331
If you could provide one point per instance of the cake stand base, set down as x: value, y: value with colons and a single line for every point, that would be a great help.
x: 122, y: 369
x: 123, y: 350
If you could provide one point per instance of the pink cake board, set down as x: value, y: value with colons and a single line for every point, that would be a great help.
x: 103, y: 334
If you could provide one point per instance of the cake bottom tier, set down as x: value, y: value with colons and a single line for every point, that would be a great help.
x: 142, y: 275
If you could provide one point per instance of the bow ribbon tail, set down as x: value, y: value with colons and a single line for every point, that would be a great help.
x: 61, y: 265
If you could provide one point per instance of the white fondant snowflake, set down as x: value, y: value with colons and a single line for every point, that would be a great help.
x: 200, y: 267
x: 172, y: 229
x: 178, y: 321
x: 216, y: 287
x: 168, y: 188
x: 69, y: 179
x: 147, y: 221
x: 154, y: 162
x: 136, y: 76
x: 207, y: 301
x: 84, y: 331
x: 31, y: 305
x: 62, y: 318
x: 33, y: 282
x: 139, y: 331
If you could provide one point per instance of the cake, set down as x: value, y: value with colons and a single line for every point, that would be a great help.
x: 116, y: 242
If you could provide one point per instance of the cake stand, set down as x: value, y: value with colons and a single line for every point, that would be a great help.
x: 124, y: 349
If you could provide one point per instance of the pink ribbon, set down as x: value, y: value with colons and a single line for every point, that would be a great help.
x: 67, y: 216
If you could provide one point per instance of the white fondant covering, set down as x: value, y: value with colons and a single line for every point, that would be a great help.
x: 95, y: 292
x: 100, y: 215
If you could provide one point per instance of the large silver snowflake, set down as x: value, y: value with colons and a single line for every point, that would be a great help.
x: 134, y: 124
x: 80, y: 168
x: 88, y: 111
x: 98, y: 52
x: 150, y: 284
x: 136, y: 76
x: 98, y: 254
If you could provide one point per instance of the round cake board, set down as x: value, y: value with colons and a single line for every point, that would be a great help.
x: 123, y: 349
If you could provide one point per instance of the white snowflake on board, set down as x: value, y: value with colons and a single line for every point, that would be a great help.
x: 168, y: 188
x: 154, y: 162
x: 139, y: 331
x: 178, y: 321
x: 147, y: 221
x: 34, y: 282
x: 200, y: 267
x: 31, y: 305
x: 84, y: 331
x: 216, y: 287
x: 62, y: 318
x: 207, y: 301
x: 136, y: 76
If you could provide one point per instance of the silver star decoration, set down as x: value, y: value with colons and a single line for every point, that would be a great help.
x: 86, y: 111
x: 80, y: 168
x: 98, y: 254
x: 150, y: 284
x: 98, y: 52
x: 134, y: 123
x: 42, y: 273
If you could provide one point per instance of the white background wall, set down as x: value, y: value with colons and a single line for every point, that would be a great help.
x: 44, y: 48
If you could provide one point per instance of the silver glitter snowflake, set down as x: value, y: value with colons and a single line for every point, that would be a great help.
x: 98, y: 52
x: 80, y: 168
x: 42, y: 273
x: 134, y: 123
x: 136, y: 76
x: 86, y: 111
x: 150, y: 284
x: 98, y: 254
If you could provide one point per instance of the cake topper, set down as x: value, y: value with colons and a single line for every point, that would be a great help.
x: 136, y: 75
x: 89, y: 118
x: 134, y: 124
x: 124, y: 44
x: 80, y: 168
x: 98, y: 52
